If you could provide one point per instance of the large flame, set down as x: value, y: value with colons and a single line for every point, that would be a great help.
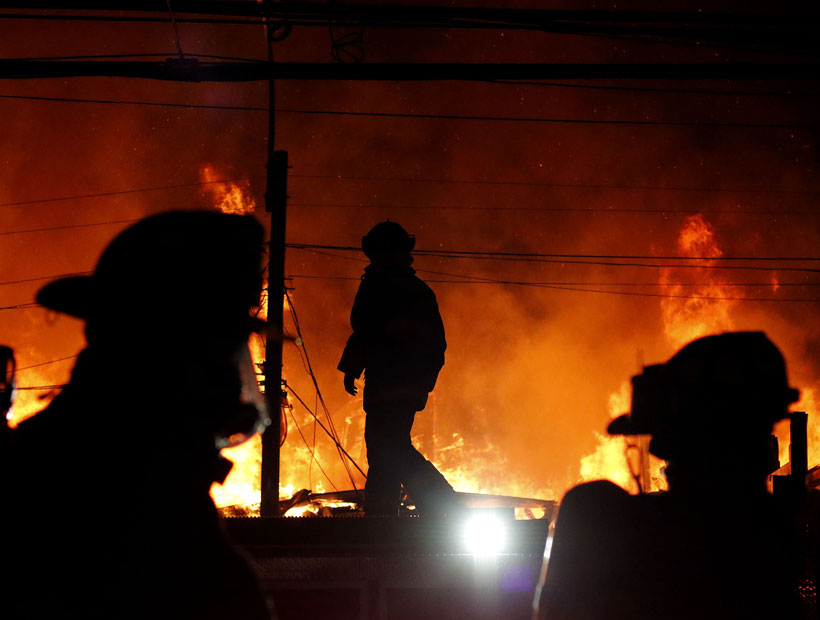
x: 701, y: 307
x: 228, y: 196
x: 694, y: 311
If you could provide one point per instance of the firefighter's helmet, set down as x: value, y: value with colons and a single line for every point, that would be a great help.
x: 727, y: 384
x: 387, y: 237
x: 187, y: 267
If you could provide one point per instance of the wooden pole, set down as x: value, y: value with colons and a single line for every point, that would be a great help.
x: 276, y: 195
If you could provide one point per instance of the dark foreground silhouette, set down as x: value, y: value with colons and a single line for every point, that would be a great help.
x: 398, y: 342
x: 107, y: 511
x: 716, y: 545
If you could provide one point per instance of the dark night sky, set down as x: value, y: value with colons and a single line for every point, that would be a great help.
x: 530, y: 370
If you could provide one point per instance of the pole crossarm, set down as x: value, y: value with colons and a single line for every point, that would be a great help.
x: 193, y: 70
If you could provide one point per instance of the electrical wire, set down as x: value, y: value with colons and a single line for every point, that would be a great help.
x: 563, y: 262
x: 62, y: 359
x: 347, y: 47
x: 123, y: 191
x: 61, y: 275
x: 21, y: 306
x: 324, y: 428
x: 590, y: 186
x: 137, y: 103
x: 68, y: 227
x: 614, y: 211
x: 544, y: 120
x: 579, y: 283
x: 325, y: 408
x: 482, y: 254
x: 662, y: 91
x: 653, y: 188
x: 481, y: 280
x: 176, y: 29
x: 313, y: 457
x: 578, y: 289
x: 457, y: 117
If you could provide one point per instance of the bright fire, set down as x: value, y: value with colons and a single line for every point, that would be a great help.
x: 701, y: 307
x: 228, y: 196
x: 696, y: 308
x: 693, y: 310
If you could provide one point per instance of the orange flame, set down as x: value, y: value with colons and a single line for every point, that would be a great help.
x: 228, y: 196
x: 688, y: 313
x: 704, y: 308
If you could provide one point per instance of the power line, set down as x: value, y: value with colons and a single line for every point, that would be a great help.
x: 311, y: 450
x: 21, y: 306
x: 192, y: 70
x: 562, y: 262
x: 478, y: 279
x: 579, y: 283
x: 138, y: 103
x: 535, y: 119
x: 656, y: 188
x: 662, y: 91
x: 335, y: 435
x: 62, y: 359
x: 62, y: 275
x: 322, y: 426
x: 591, y: 186
x: 71, y: 226
x: 123, y: 191
x: 459, y: 117
x: 481, y: 254
x: 557, y: 209
x: 578, y: 289
x: 41, y: 388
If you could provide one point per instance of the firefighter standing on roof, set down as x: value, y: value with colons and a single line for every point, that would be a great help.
x: 398, y: 341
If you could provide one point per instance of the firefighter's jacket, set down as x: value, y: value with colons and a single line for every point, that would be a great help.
x: 398, y: 335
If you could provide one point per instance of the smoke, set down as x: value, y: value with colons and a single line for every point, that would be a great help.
x: 530, y: 369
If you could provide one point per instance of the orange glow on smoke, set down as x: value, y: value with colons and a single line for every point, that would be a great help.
x: 242, y: 486
x: 702, y: 309
x: 689, y: 313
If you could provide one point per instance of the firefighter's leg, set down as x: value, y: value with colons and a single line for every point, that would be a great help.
x: 387, y: 436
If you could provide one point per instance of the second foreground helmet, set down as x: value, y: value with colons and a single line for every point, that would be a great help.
x: 727, y: 381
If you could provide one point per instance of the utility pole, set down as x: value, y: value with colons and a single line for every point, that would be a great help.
x: 275, y: 204
x: 276, y: 197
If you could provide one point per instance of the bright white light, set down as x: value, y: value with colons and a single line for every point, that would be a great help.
x: 484, y: 534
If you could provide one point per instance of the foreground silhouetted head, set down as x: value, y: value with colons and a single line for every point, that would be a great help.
x: 168, y: 310
x: 173, y: 273
x: 714, y: 401
x: 387, y: 238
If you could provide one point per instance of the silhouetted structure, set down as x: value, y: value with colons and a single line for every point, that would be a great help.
x: 7, y: 389
x: 108, y: 492
x: 716, y: 545
x: 398, y: 341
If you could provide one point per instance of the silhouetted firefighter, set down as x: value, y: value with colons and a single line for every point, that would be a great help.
x: 398, y: 341
x: 716, y: 545
x: 108, y: 495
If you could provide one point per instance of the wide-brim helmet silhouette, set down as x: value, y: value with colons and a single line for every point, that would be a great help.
x: 732, y: 382
x: 387, y: 237
x: 180, y: 268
